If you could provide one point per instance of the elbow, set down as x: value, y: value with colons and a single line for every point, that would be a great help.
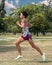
x: 22, y: 26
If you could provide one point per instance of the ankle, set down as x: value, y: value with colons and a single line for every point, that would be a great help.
x: 42, y: 54
x: 20, y: 55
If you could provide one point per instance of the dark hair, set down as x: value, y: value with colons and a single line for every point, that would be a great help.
x: 25, y: 13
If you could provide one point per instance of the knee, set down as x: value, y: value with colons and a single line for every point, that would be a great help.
x: 17, y: 43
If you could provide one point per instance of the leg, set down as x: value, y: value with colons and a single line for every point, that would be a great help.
x: 19, y: 40
x: 35, y: 46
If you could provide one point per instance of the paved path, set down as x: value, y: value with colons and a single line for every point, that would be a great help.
x: 11, y: 38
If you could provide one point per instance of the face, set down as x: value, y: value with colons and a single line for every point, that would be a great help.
x: 21, y: 16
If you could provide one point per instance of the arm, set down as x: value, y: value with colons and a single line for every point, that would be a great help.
x: 29, y: 25
x: 22, y: 25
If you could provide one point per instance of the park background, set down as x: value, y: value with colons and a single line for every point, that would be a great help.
x: 40, y: 16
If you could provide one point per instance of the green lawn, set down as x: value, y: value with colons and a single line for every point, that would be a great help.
x: 31, y: 57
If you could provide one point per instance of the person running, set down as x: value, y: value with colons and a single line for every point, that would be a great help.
x: 26, y: 35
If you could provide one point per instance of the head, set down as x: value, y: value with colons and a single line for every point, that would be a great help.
x: 23, y: 14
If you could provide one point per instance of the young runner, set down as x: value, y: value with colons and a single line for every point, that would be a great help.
x: 26, y: 35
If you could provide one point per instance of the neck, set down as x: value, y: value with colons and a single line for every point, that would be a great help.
x: 23, y: 18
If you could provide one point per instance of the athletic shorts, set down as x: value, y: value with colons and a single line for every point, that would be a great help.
x: 27, y: 37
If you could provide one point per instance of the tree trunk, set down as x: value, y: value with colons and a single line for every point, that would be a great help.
x: 43, y: 32
x: 37, y: 32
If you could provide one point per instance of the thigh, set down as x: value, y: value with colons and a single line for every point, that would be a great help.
x: 19, y: 40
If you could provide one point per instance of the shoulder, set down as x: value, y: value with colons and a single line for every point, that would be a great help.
x: 24, y: 20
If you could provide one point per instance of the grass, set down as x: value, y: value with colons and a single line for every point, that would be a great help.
x: 8, y: 51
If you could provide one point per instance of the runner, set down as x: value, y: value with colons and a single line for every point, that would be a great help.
x: 26, y: 35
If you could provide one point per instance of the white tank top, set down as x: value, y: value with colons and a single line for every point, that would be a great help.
x: 26, y: 30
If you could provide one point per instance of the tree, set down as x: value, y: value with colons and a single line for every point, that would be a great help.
x: 39, y: 23
x: 2, y: 9
x: 49, y: 14
x: 3, y: 25
x: 38, y: 17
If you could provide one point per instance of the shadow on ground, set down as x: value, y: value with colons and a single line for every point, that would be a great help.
x: 11, y: 48
x: 48, y: 61
x: 27, y: 61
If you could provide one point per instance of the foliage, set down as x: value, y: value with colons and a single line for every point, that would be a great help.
x: 40, y: 16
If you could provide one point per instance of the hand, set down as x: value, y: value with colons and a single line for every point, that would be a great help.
x: 17, y: 22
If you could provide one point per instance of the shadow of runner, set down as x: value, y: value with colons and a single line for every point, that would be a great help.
x: 48, y: 61
x: 26, y: 61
